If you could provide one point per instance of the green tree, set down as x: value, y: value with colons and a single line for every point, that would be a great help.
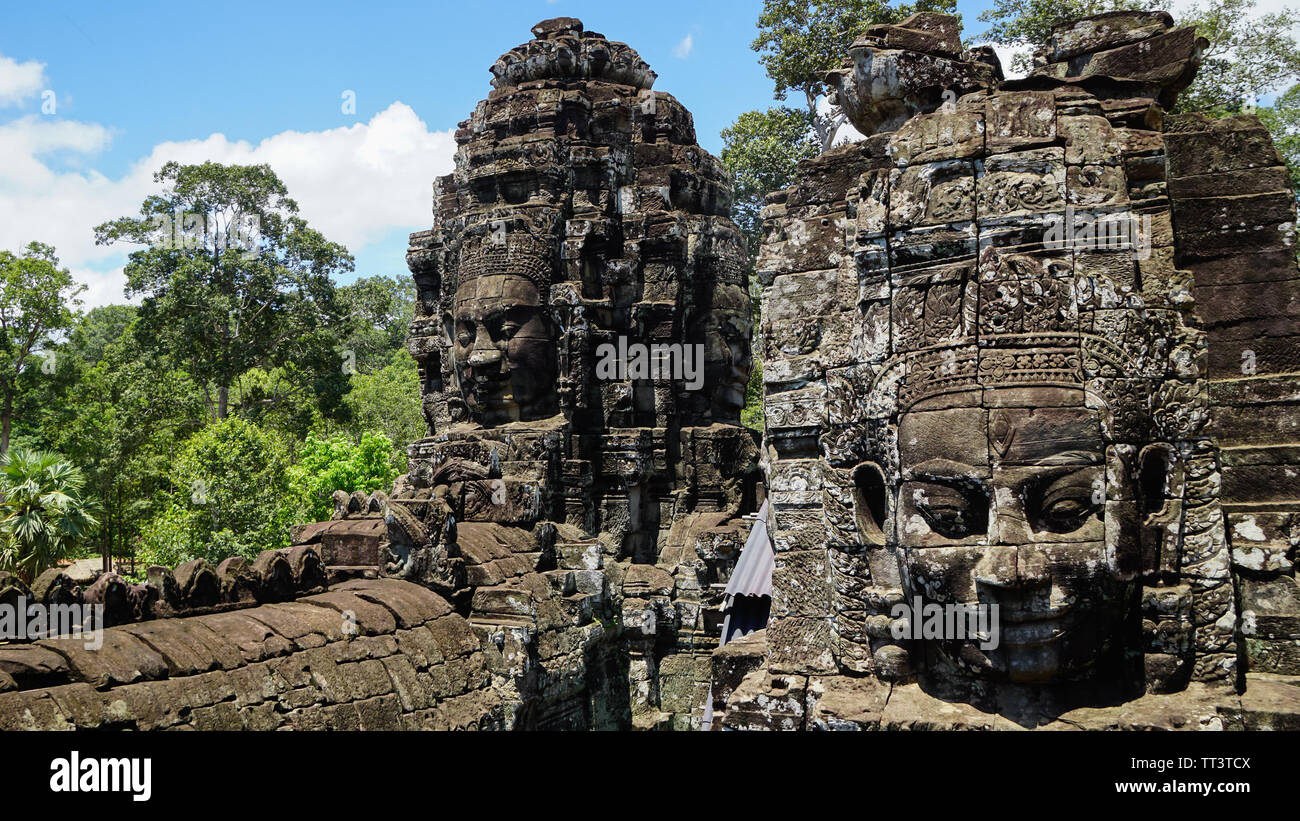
x: 43, y: 514
x: 233, y: 279
x: 762, y: 150
x: 800, y: 40
x: 1282, y: 119
x: 1249, y: 55
x: 338, y: 463
x: 38, y: 301
x: 381, y: 309
x: 121, y: 414
x: 227, y: 497
x: 388, y: 401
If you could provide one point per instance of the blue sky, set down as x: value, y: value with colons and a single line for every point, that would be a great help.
x: 136, y: 84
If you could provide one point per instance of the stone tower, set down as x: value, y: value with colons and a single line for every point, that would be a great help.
x: 1003, y: 336
x: 583, y: 330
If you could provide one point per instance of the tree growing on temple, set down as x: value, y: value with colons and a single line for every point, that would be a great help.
x: 43, y: 514
x: 38, y: 301
x: 232, y: 281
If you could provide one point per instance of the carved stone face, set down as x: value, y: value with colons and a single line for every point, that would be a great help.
x: 1007, y: 505
x: 728, y: 360
x: 504, y: 349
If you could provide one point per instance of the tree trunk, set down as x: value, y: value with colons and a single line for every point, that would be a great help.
x: 223, y: 401
x: 5, y: 415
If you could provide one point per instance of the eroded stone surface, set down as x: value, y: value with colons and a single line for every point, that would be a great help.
x: 1031, y: 342
x: 1031, y: 396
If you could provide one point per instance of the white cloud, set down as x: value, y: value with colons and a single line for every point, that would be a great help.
x: 18, y: 81
x: 683, y: 49
x: 355, y: 184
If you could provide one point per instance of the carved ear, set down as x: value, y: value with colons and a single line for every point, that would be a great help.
x: 1160, y: 504
x: 1160, y: 480
x: 870, y: 504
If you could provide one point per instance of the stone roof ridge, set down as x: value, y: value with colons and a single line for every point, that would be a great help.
x: 191, y: 588
x: 896, y: 71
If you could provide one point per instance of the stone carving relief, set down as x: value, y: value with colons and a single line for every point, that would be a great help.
x: 1026, y: 419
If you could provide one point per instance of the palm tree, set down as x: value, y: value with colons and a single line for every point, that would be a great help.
x: 42, y: 511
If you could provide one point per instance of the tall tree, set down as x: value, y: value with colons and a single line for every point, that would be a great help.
x: 762, y: 150
x: 232, y: 279
x: 800, y: 40
x: 38, y: 301
x: 120, y: 414
x: 381, y: 309
x: 1249, y: 55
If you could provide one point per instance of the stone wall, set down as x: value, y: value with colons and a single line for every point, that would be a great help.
x: 368, y: 655
x: 1234, y: 219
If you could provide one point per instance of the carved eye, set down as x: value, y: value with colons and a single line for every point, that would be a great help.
x: 514, y: 321
x: 1066, y: 504
x: 465, y: 336
x: 954, y: 513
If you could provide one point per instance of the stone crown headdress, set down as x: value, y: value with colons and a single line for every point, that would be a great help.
x: 501, y: 251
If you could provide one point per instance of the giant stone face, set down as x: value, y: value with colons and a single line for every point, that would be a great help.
x: 1006, y: 506
x: 503, y: 345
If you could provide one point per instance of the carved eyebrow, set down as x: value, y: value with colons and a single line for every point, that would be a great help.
x: 508, y: 307
x: 943, y: 469
x: 1071, y: 457
x: 497, y: 311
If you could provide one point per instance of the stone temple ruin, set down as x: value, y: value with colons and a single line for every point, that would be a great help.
x: 1003, y: 353
x: 1031, y: 343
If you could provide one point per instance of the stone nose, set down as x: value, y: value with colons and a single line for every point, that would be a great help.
x: 1010, y: 522
x: 484, y: 354
x: 1012, y: 568
x: 484, y: 357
